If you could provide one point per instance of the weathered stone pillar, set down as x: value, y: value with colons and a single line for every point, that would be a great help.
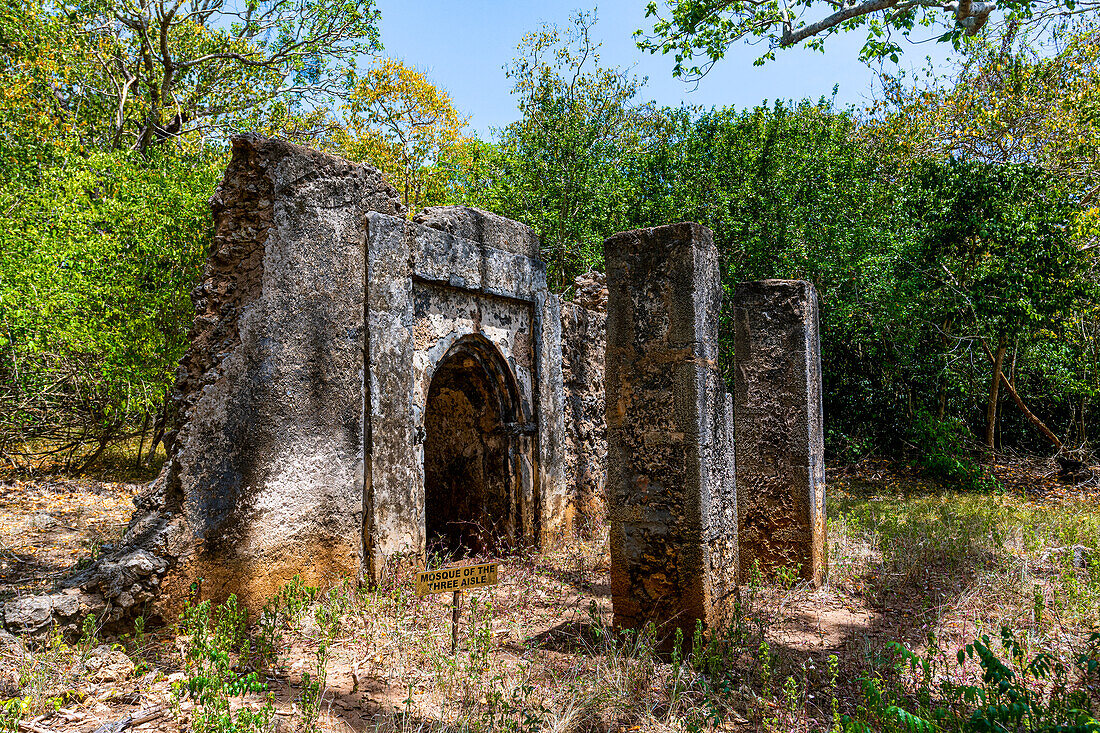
x: 779, y: 436
x: 669, y: 484
x: 583, y: 339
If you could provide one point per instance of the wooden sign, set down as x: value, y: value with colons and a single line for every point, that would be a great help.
x: 464, y: 577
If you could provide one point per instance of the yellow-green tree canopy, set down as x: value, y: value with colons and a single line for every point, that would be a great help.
x: 1007, y: 105
x: 124, y: 74
x: 406, y: 126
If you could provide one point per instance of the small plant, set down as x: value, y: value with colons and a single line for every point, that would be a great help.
x: 834, y: 700
x: 12, y: 712
x: 787, y: 576
x: 790, y: 695
x: 216, y: 644
x: 139, y: 632
x: 327, y: 615
x: 1016, y: 693
x: 89, y: 634
x: 283, y: 610
x: 765, y: 670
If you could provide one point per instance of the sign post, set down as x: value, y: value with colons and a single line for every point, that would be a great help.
x: 456, y: 609
x: 456, y: 580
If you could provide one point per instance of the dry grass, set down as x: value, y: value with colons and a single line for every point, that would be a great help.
x: 909, y: 562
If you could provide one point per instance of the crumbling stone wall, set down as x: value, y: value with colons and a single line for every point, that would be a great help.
x: 583, y: 340
x: 669, y: 479
x: 333, y: 337
x: 265, y: 474
x: 267, y: 466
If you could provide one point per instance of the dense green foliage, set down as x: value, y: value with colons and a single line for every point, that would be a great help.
x: 97, y: 260
x: 950, y: 288
x: 109, y: 151
x: 1018, y: 692
x: 698, y: 33
x: 920, y: 264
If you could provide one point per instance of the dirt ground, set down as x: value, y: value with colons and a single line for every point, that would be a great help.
x: 392, y: 670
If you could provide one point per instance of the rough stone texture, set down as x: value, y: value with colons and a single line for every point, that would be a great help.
x: 779, y: 437
x: 34, y: 615
x: 106, y: 664
x: 267, y: 466
x: 321, y: 319
x: 475, y: 225
x: 590, y: 291
x: 12, y: 654
x: 723, y: 539
x: 666, y: 429
x: 264, y: 478
x: 583, y: 339
x: 360, y: 384
x: 483, y: 317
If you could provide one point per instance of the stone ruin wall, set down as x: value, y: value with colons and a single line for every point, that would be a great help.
x: 268, y: 457
x: 583, y: 342
x: 670, y: 486
x: 780, y: 442
x: 268, y: 454
x: 270, y: 397
x: 431, y: 288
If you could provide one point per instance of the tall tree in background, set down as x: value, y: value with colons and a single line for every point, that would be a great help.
x: 562, y: 162
x: 699, y: 32
x: 407, y: 127
x: 97, y: 261
x: 992, y: 264
x: 1006, y: 103
x: 113, y: 117
x: 165, y: 69
x: 1011, y: 105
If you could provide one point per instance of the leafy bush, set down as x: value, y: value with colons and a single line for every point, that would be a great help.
x: 98, y: 256
x: 1039, y: 694
x: 944, y: 454
x: 216, y: 646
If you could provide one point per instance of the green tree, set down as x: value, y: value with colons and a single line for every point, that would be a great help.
x: 97, y: 261
x: 1005, y: 102
x: 793, y: 191
x: 699, y: 32
x: 993, y: 262
x: 560, y: 166
x: 164, y: 69
x: 407, y: 127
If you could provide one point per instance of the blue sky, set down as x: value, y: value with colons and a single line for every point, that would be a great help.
x: 463, y: 45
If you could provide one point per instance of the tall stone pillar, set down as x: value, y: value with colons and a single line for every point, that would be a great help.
x: 779, y: 436
x: 669, y: 482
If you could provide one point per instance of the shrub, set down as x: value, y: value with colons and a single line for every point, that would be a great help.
x: 1039, y: 694
x: 216, y: 644
x: 944, y: 454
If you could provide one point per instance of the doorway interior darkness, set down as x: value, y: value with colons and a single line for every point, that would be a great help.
x: 470, y: 452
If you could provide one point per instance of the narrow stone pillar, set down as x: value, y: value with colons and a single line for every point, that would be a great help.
x: 669, y: 482
x: 779, y: 436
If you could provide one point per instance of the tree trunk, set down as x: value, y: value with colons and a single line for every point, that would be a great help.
x: 1031, y: 417
x: 994, y: 388
x: 159, y: 427
x: 141, y: 441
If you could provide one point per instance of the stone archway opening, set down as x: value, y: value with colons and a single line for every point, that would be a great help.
x: 470, y: 453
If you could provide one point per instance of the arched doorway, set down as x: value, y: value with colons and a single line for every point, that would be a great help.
x: 473, y: 452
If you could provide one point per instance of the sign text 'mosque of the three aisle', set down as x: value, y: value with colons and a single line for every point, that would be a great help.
x: 467, y: 577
